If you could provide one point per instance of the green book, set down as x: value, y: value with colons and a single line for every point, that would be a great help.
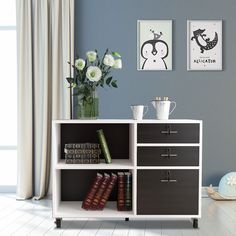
x: 104, y: 146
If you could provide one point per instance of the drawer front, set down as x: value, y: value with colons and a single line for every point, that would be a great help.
x: 167, y: 192
x: 168, y: 156
x: 168, y: 133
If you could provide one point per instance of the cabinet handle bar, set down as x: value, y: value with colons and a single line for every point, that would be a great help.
x: 169, y: 181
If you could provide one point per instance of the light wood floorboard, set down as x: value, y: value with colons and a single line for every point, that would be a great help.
x: 21, y: 218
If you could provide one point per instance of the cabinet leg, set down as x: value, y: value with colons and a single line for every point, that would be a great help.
x: 58, y: 222
x: 126, y: 219
x: 195, y: 223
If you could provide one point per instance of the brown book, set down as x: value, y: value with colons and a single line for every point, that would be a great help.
x: 99, y: 193
x: 92, y: 191
x: 121, y: 192
x: 107, y: 192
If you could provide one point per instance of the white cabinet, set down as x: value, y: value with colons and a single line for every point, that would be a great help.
x: 164, y: 157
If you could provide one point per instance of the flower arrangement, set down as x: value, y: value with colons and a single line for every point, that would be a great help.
x: 90, y: 74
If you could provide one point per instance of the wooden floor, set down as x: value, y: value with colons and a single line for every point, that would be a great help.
x: 34, y: 218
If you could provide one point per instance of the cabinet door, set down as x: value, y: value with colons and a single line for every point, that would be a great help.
x: 168, y: 133
x: 168, y: 156
x: 167, y: 192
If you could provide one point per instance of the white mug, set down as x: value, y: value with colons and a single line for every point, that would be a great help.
x: 138, y: 111
x: 163, y: 109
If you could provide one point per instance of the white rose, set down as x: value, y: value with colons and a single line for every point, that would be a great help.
x: 91, y: 55
x: 117, y: 64
x: 109, y: 60
x: 80, y: 64
x: 93, y: 73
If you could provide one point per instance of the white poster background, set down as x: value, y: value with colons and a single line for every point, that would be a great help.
x: 144, y: 34
x: 209, y: 59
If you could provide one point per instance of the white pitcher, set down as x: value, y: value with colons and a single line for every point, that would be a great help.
x: 163, y: 109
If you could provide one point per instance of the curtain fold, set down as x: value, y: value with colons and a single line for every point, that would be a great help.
x: 45, y: 38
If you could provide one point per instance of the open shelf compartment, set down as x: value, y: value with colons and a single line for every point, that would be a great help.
x: 119, y: 137
x: 72, y: 187
x: 73, y: 209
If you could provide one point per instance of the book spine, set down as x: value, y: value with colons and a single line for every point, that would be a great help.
x: 128, y: 191
x: 94, y: 161
x: 74, y: 156
x: 93, y: 189
x: 99, y: 193
x: 82, y: 145
x: 104, y: 146
x: 82, y: 151
x: 69, y: 161
x: 121, y: 192
x: 107, y: 192
x: 82, y: 158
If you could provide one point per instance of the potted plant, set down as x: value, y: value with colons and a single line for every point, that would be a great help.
x: 90, y: 73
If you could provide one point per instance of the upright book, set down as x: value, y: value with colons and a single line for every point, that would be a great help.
x: 121, y: 192
x: 104, y: 146
x: 128, y: 191
x: 107, y: 191
x: 100, y: 191
x: 93, y: 189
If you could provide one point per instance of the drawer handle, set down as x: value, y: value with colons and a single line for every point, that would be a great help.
x: 164, y: 181
x: 169, y: 132
x: 173, y: 155
x: 169, y: 181
x: 169, y: 155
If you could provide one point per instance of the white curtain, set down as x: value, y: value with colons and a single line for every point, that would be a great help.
x: 45, y: 40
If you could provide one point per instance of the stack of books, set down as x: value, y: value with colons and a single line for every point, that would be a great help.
x: 82, y: 153
x: 99, y: 192
x: 124, y: 196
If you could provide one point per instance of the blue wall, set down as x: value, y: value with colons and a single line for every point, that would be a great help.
x: 209, y: 96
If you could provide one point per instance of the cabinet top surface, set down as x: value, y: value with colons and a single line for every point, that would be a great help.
x: 126, y: 121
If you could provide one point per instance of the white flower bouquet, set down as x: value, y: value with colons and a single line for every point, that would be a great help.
x: 89, y: 74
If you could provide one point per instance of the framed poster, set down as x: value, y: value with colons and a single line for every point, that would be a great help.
x: 154, y: 45
x: 204, y: 49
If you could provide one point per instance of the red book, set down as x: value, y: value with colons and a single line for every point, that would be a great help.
x: 99, y: 193
x: 107, y: 192
x: 121, y: 192
x: 90, y: 195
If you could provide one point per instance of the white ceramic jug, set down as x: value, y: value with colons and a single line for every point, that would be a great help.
x: 163, y: 109
x: 138, y: 111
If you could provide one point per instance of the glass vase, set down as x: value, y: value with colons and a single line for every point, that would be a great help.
x: 87, y: 108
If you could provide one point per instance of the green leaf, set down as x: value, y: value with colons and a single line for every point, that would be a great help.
x: 108, y: 81
x: 113, y: 83
x: 102, y: 82
x: 74, y: 85
x: 70, y: 80
x: 116, y: 54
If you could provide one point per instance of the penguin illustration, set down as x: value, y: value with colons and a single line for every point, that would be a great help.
x: 154, y: 52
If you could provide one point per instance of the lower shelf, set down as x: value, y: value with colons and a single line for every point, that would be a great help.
x: 73, y: 209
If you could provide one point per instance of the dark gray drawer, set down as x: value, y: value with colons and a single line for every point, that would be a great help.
x: 168, y: 156
x: 158, y: 196
x: 168, y: 133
